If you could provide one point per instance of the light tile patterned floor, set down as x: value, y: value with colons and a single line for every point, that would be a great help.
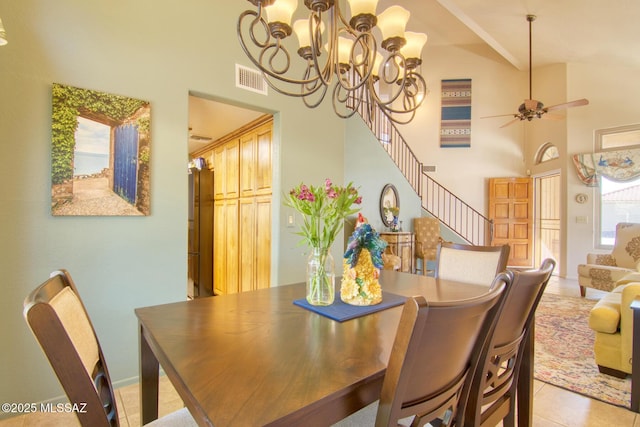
x: 552, y: 407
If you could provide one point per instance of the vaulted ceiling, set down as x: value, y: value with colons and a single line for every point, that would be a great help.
x: 565, y: 31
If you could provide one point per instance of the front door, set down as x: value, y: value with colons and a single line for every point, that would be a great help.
x: 548, y: 219
x: 511, y: 209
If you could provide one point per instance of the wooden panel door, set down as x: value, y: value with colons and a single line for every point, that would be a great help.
x: 263, y: 242
x: 248, y: 164
x: 219, y: 170
x: 263, y: 159
x: 511, y: 209
x: 247, y: 242
x: 232, y: 169
x: 231, y: 246
x: 549, y: 216
x: 219, y: 248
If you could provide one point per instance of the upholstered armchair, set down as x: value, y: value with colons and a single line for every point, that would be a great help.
x: 612, y: 320
x: 602, y: 271
x: 427, y: 231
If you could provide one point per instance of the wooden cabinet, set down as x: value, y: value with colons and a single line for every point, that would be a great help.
x: 225, y: 246
x: 226, y: 164
x: 255, y: 243
x: 255, y: 152
x: 401, y: 244
x: 242, y: 209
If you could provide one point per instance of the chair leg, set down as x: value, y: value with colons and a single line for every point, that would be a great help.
x: 583, y: 291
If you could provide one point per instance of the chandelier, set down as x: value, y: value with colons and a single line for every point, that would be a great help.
x: 338, y: 54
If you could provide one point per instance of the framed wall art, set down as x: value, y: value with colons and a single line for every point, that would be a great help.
x: 455, y: 124
x: 100, y: 152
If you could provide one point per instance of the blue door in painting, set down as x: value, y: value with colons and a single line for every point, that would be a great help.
x: 125, y: 164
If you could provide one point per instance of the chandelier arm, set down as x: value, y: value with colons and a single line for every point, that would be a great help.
x: 277, y: 48
x: 338, y: 99
x: 366, y: 63
x: 328, y: 71
x: 312, y: 88
x: 341, y: 17
x: 313, y: 84
x: 305, y: 97
x: 409, y: 96
x: 391, y: 79
x: 264, y: 48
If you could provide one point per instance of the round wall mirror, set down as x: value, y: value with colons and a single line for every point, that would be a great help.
x: 389, y: 202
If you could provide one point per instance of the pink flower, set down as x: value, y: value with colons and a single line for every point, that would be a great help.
x: 358, y: 200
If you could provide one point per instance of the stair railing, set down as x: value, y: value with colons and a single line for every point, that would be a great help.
x: 452, y: 211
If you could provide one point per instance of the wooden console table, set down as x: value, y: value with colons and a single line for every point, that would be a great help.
x: 402, y: 245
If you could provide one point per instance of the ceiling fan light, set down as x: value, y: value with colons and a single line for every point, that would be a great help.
x: 392, y: 22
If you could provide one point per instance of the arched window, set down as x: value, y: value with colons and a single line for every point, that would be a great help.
x: 547, y: 152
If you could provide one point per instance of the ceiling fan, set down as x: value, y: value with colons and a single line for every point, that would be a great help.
x: 532, y: 108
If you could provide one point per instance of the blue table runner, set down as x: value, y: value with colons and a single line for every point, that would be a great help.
x: 341, y: 311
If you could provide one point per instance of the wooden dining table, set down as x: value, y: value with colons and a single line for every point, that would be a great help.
x: 255, y: 358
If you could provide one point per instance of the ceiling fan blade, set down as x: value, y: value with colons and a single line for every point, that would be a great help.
x: 552, y: 117
x: 517, y: 119
x: 576, y: 103
x: 499, y: 115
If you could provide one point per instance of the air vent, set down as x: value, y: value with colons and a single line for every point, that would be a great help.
x: 250, y: 79
x: 200, y: 138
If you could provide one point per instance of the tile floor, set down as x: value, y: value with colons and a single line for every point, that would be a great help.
x: 553, y: 406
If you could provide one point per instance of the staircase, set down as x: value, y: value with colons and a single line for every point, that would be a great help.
x: 452, y: 211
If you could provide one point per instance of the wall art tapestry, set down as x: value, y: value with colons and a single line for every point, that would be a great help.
x: 99, y: 153
x: 619, y: 165
x: 455, y: 128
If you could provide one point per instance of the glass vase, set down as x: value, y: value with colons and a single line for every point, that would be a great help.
x: 320, y: 277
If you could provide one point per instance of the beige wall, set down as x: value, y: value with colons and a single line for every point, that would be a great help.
x: 496, y: 89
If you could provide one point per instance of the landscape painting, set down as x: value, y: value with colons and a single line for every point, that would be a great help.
x: 99, y: 153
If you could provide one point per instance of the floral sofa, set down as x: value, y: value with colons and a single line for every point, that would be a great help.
x: 603, y: 271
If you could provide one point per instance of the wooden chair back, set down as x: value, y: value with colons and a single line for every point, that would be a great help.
x: 470, y: 263
x: 431, y: 356
x: 491, y: 394
x: 60, y: 323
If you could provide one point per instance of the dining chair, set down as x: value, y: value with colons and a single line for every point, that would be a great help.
x: 427, y: 231
x: 430, y: 360
x: 490, y: 396
x: 470, y: 263
x: 61, y: 324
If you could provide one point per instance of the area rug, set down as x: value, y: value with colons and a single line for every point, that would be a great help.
x: 564, y: 351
